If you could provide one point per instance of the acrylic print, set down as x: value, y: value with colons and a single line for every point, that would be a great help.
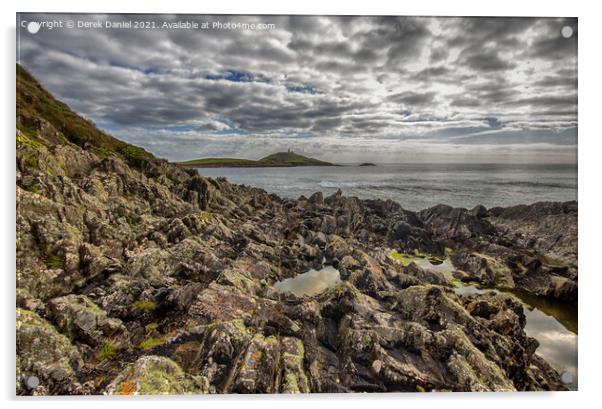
x: 295, y: 204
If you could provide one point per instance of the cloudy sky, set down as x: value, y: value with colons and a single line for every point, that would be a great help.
x: 384, y: 89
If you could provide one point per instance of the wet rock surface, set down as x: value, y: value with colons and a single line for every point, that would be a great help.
x: 138, y: 277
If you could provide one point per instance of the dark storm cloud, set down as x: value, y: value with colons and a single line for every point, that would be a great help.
x: 433, y: 74
x: 554, y: 46
x: 413, y: 98
x: 487, y: 62
x: 325, y: 84
x: 558, y: 81
x: 406, y: 41
x: 547, y: 101
x: 474, y: 32
x: 465, y: 102
x: 438, y: 54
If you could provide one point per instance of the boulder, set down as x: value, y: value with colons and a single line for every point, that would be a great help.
x: 82, y: 320
x: 47, y: 354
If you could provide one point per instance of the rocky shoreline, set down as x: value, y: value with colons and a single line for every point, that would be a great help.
x: 136, y: 276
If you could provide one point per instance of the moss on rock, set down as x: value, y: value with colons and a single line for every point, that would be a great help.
x: 44, y: 352
x: 155, y: 375
x: 82, y: 320
x: 294, y: 379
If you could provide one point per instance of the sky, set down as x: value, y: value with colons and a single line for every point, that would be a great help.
x: 342, y: 89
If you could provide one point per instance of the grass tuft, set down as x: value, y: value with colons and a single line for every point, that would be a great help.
x: 107, y: 352
x: 54, y: 261
x: 151, y: 343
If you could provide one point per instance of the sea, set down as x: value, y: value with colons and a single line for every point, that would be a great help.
x: 417, y: 186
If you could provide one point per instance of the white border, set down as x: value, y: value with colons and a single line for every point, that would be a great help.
x: 589, y: 197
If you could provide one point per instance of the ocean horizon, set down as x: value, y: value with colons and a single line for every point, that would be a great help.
x: 417, y: 186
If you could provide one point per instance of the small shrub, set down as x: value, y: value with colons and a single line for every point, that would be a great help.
x: 108, y: 351
x: 131, y: 151
x: 151, y: 343
x: 102, y: 153
x: 54, y: 261
x: 33, y: 189
x: 135, y: 156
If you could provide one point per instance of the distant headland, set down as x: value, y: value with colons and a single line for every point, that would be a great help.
x: 279, y: 159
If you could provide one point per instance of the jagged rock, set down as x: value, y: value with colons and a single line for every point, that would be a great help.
x: 479, y: 211
x: 47, y: 354
x: 456, y: 223
x: 132, y: 256
x: 82, y: 320
x: 294, y: 379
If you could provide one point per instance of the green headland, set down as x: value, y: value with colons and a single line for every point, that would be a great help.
x: 279, y: 159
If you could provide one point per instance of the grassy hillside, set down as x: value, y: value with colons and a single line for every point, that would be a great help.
x: 209, y: 162
x: 279, y: 159
x: 290, y: 157
x: 34, y: 103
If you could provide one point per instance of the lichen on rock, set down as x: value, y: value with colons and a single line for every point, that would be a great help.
x: 137, y: 276
x: 44, y: 352
x: 155, y: 375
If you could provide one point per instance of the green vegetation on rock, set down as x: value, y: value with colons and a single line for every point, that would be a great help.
x: 54, y: 261
x: 205, y: 217
x: 34, y: 189
x: 27, y: 137
x: 133, y: 234
x: 108, y: 351
x: 155, y: 375
x: 403, y: 258
x: 151, y: 327
x: 44, y: 352
x: 144, y: 305
x: 34, y: 102
x: 151, y: 343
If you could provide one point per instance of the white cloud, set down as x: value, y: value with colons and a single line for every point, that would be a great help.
x: 360, y: 86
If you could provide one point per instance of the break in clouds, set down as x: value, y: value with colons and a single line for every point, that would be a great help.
x: 388, y: 89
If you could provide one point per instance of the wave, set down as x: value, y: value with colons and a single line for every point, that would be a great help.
x: 330, y: 184
x: 535, y: 184
x: 382, y: 186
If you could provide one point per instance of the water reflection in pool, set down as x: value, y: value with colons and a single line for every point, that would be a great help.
x: 552, y: 323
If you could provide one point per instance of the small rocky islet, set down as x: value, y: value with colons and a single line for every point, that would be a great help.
x: 137, y: 276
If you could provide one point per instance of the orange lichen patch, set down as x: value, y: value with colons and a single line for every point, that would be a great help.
x: 376, y: 269
x: 99, y: 381
x: 255, y: 357
x: 223, y: 303
x: 373, y: 264
x: 127, y: 387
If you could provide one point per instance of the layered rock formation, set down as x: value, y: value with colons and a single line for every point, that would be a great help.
x: 136, y: 276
